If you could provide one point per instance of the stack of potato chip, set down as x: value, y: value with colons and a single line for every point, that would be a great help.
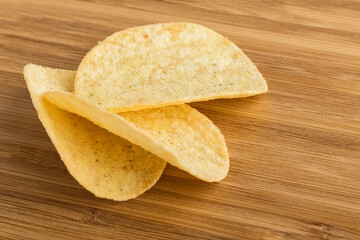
x: 122, y: 116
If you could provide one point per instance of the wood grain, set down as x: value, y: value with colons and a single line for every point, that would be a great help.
x: 295, y: 152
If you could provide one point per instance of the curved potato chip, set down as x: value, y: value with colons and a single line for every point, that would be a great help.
x: 103, y: 163
x: 165, y: 64
x: 179, y: 134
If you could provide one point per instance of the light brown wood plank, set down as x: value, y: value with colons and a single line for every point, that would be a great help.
x: 295, y: 151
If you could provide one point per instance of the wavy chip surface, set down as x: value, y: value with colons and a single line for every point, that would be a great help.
x: 103, y: 163
x: 179, y: 134
x: 165, y: 64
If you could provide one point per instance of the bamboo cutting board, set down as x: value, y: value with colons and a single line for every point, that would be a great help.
x: 295, y: 151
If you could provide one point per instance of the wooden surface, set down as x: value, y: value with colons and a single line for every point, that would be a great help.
x: 295, y: 152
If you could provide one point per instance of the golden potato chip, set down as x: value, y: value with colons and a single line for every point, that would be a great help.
x: 103, y: 163
x: 179, y: 134
x: 165, y: 64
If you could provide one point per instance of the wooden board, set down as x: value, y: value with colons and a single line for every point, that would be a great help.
x: 295, y: 152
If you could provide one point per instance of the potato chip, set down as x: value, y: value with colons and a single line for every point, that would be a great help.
x: 179, y: 134
x: 103, y: 163
x: 165, y: 64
